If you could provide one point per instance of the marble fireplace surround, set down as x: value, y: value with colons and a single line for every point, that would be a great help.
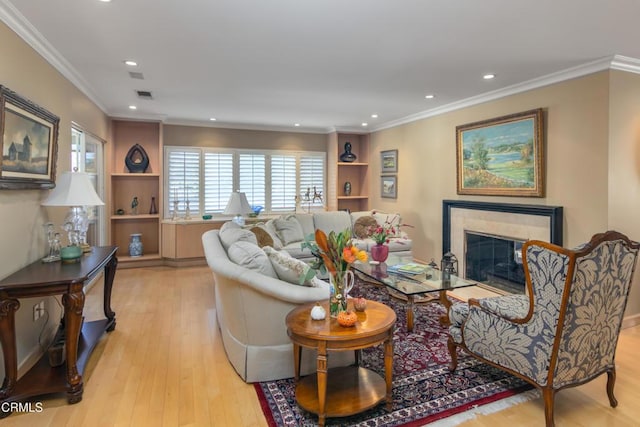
x: 514, y: 221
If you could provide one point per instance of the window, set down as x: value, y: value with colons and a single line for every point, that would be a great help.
x: 86, y: 156
x: 271, y: 179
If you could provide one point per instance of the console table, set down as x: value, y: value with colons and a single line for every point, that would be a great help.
x: 48, y: 279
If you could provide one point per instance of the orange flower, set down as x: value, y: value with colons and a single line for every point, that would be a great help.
x: 348, y: 255
x: 362, y: 256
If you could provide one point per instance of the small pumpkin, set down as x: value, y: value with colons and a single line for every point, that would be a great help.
x: 360, y: 304
x: 318, y: 312
x: 347, y: 318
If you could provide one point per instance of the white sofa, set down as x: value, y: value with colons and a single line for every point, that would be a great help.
x: 251, y: 307
x: 251, y: 310
x: 339, y: 221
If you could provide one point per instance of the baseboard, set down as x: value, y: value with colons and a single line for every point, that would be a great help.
x: 631, y: 321
x: 187, y: 262
x: 36, y: 353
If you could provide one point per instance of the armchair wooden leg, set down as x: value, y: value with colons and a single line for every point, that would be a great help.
x: 453, y: 351
x: 548, y: 397
x: 611, y: 381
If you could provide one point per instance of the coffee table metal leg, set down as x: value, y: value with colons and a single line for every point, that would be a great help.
x: 322, y: 382
x: 410, y: 313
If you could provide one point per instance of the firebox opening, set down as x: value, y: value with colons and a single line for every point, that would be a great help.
x: 495, y: 261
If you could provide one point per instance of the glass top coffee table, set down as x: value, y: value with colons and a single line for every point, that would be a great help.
x: 413, y: 288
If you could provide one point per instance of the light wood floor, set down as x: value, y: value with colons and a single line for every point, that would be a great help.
x: 164, y: 365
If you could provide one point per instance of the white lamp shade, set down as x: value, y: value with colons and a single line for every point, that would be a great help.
x: 73, y: 189
x: 238, y: 204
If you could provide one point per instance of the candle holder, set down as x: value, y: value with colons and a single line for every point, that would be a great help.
x: 174, y: 214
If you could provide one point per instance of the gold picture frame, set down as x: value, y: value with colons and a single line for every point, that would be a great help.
x: 502, y: 156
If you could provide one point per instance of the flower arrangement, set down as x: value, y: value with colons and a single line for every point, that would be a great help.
x: 335, y: 253
x: 382, y: 233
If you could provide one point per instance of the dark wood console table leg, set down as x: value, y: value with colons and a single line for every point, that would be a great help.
x: 73, y: 303
x: 109, y: 274
x: 8, y: 308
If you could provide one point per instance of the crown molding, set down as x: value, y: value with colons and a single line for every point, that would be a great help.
x: 23, y: 28
x: 246, y: 126
x: 616, y: 62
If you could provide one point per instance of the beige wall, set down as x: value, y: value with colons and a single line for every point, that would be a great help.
x: 245, y: 139
x: 592, y: 161
x: 624, y: 163
x: 21, y: 216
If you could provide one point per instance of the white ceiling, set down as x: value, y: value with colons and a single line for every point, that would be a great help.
x: 326, y: 64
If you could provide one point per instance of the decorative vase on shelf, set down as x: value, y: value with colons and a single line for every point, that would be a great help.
x: 135, y: 245
x: 341, y: 283
x: 379, y: 252
x: 347, y: 156
x: 153, y: 209
x: 347, y: 188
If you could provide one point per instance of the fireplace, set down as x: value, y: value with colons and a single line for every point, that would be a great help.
x: 487, y: 239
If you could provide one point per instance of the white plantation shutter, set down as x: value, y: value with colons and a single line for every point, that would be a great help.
x: 269, y: 178
x: 252, y: 178
x: 183, y: 179
x: 312, y: 176
x: 218, y: 180
x: 283, y: 183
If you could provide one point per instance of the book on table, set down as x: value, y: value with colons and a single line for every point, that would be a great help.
x: 409, y: 268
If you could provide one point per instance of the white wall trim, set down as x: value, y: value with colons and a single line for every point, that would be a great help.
x: 23, y: 28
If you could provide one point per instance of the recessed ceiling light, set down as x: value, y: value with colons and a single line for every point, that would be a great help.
x: 374, y: 116
x: 131, y: 63
x: 429, y: 96
x: 213, y: 119
x: 297, y: 124
x: 488, y: 76
x: 365, y: 124
x: 132, y: 107
x: 105, y: 1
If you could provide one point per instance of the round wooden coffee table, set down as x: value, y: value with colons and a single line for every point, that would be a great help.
x: 339, y: 392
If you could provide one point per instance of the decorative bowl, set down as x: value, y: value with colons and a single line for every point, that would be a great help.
x: 207, y: 216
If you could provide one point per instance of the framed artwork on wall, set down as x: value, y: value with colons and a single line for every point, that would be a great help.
x: 389, y: 161
x: 502, y: 156
x: 29, y: 143
x: 389, y: 186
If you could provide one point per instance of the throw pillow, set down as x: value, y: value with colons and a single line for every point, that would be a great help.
x: 290, y: 269
x: 230, y: 232
x: 363, y: 226
x: 289, y: 230
x: 263, y: 237
x: 250, y: 256
x: 271, y: 229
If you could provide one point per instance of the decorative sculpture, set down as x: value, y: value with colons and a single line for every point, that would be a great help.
x: 347, y: 156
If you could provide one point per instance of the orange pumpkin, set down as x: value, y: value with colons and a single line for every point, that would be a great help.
x: 347, y: 318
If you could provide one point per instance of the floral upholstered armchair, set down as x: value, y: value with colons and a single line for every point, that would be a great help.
x: 564, y: 331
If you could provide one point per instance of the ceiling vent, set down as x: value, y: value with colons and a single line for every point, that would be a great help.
x: 144, y: 94
x: 136, y: 75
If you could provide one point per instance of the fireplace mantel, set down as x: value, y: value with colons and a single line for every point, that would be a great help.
x: 553, y: 213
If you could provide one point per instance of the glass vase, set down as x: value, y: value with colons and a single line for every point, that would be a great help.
x: 341, y: 283
x: 379, y: 252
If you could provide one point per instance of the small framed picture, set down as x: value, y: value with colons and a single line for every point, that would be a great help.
x: 389, y: 186
x: 389, y: 161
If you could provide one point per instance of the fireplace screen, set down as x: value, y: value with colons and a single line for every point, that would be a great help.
x: 495, y: 261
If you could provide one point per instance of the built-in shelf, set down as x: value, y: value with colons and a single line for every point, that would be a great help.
x: 136, y: 175
x: 352, y: 164
x: 145, y: 257
x: 134, y: 217
x: 352, y: 197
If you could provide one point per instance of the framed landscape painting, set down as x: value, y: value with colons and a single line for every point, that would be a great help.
x: 389, y: 161
x: 389, y: 186
x: 29, y: 143
x: 502, y: 156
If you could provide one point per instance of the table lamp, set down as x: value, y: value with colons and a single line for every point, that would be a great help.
x: 237, y: 206
x: 74, y: 189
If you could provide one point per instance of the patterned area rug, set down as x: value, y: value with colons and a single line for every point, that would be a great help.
x: 423, y: 388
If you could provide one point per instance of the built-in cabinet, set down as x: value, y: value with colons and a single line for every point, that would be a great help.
x: 356, y: 172
x: 124, y: 186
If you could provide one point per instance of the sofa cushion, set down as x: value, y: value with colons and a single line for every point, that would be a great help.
x: 332, y: 221
x: 290, y: 269
x: 306, y: 222
x: 263, y: 236
x: 363, y: 225
x: 250, y: 256
x: 271, y: 229
x: 289, y: 230
x: 230, y: 232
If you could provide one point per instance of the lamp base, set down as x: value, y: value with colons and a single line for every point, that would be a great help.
x: 70, y: 254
